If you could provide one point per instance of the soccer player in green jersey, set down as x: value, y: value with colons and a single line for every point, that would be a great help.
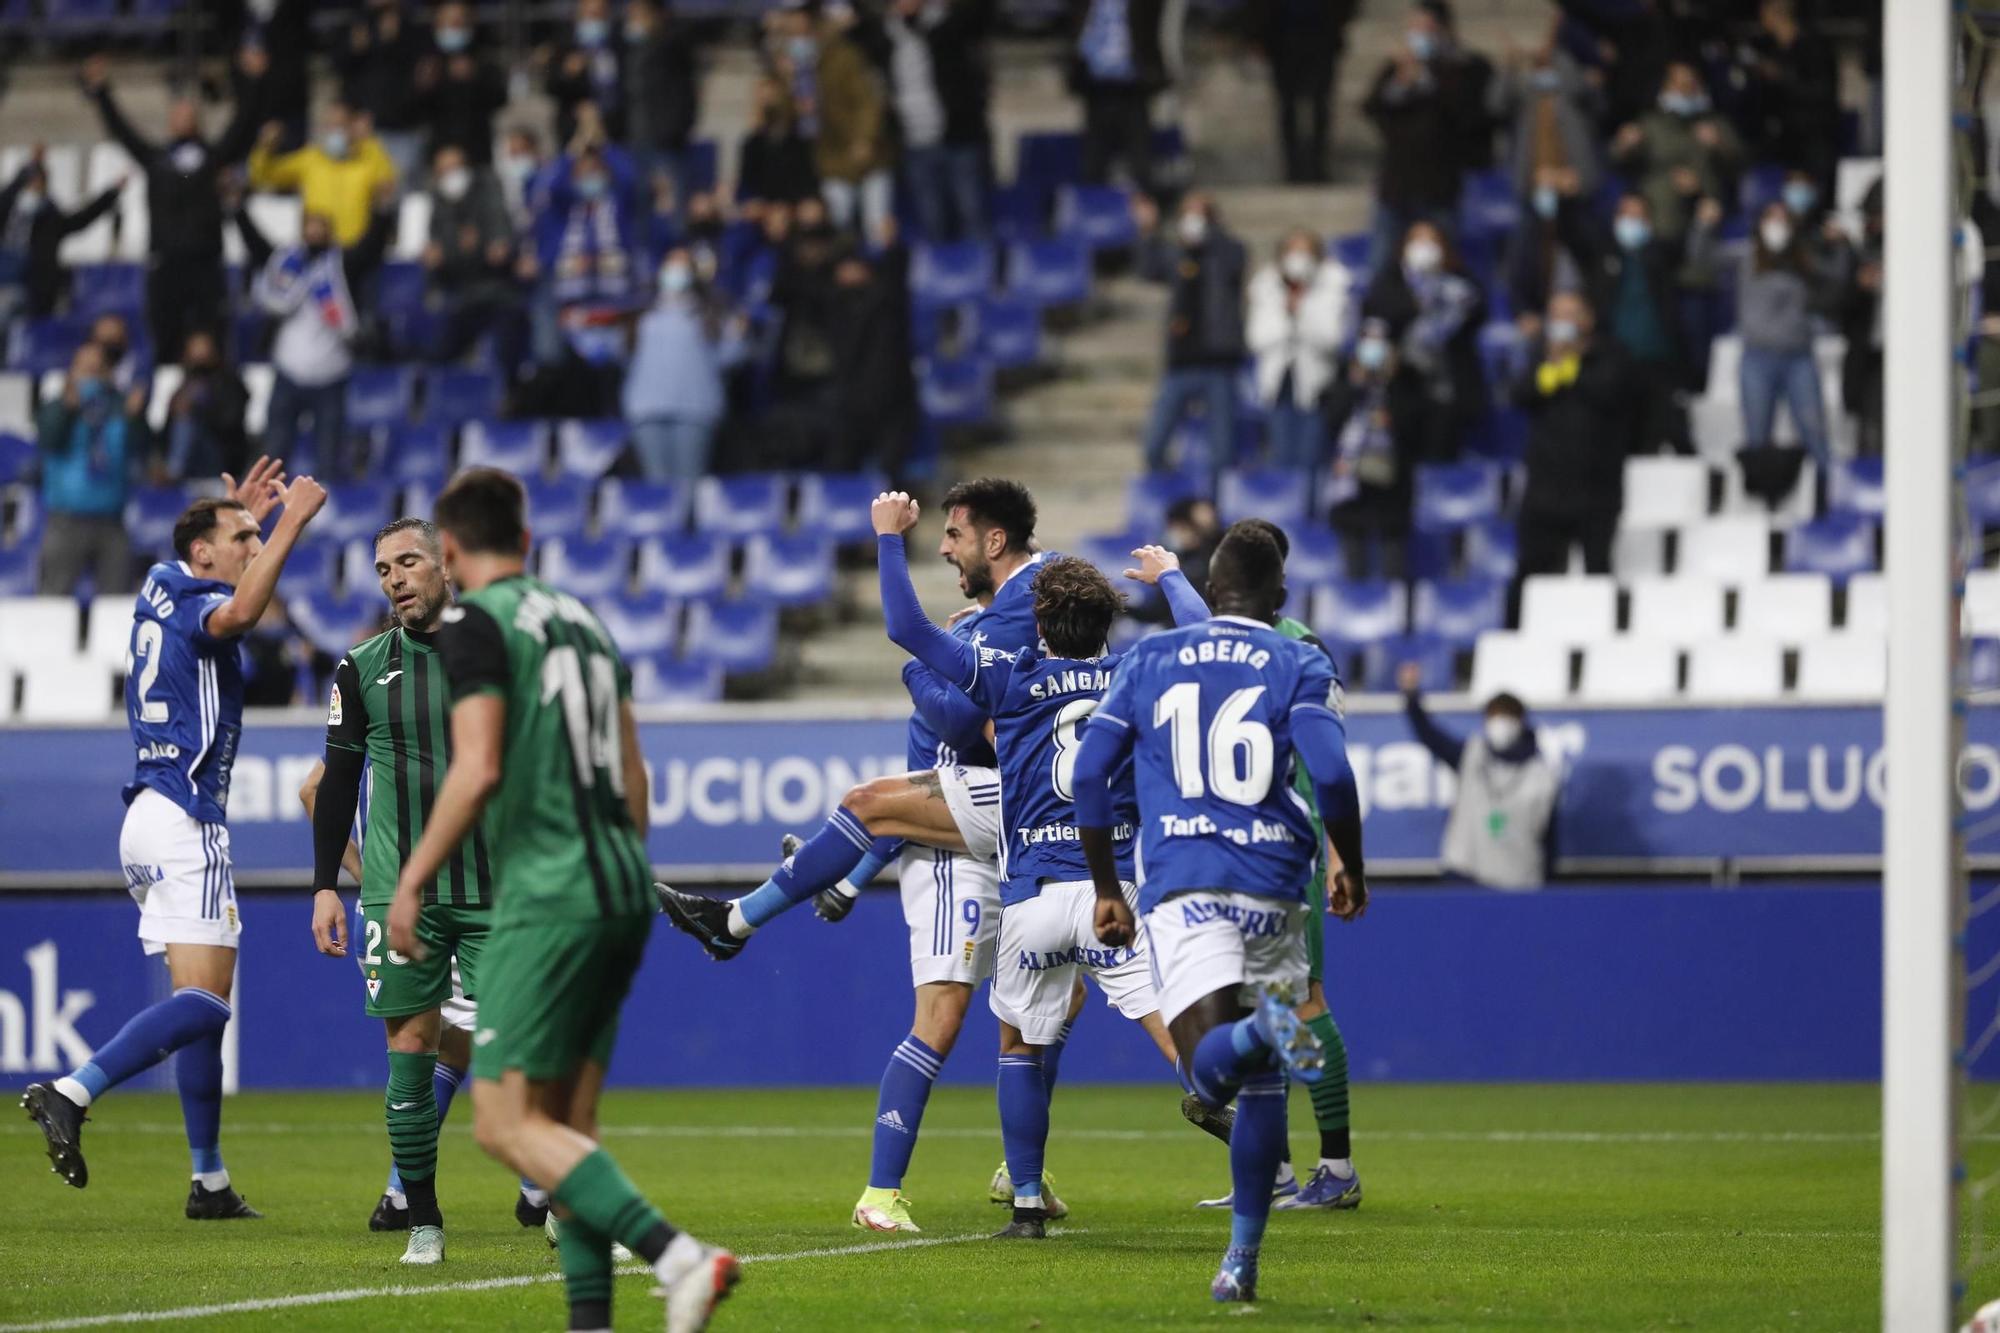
x: 542, y: 733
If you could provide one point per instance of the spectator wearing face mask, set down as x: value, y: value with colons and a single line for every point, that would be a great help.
x: 1637, y: 278
x: 124, y: 365
x: 673, y: 396
x: 470, y: 259
x: 32, y: 229
x: 1426, y: 104
x: 587, y: 68
x: 90, y: 438
x: 205, y: 431
x: 385, y: 65
x: 184, y: 270
x: 1502, y: 826
x: 1577, y: 393
x: 1680, y: 153
x: 664, y: 100
x: 1433, y: 310
x: 523, y: 176
x: 588, y: 255
x: 1376, y: 416
x: 338, y: 176
x: 774, y: 163
x: 849, y: 114
x: 1300, y: 309
x: 466, y: 88
x: 1786, y: 281
x: 308, y: 290
x: 1203, y: 267
x: 1552, y: 110
x: 1538, y: 262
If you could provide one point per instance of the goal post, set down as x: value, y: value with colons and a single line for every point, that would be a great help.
x: 1920, y: 969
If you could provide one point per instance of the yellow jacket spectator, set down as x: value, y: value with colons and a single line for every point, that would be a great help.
x: 337, y: 175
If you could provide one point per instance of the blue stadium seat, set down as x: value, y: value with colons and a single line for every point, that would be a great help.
x: 1111, y: 553
x: 1018, y: 212
x: 834, y: 505
x: 1458, y: 611
x: 1451, y: 495
x: 685, y: 565
x: 788, y: 570
x: 1433, y: 656
x: 1762, y: 184
x: 1492, y: 547
x: 519, y: 447
x: 1503, y: 351
x: 150, y: 513
x: 1352, y: 250
x: 1316, y: 557
x: 400, y: 289
x: 950, y: 273
x: 1486, y: 205
x: 1856, y: 487
x: 1279, y: 494
x: 588, y: 567
x: 97, y: 289
x: 645, y: 621
x: 456, y: 395
x: 354, y: 509
x: 1501, y: 433
x: 1982, y: 488
x: 311, y: 566
x: 1046, y: 161
x: 557, y: 507
x: 20, y: 564
x: 1982, y: 664
x: 664, y: 681
x: 1150, y: 495
x: 378, y: 396
x: 1837, y: 545
x: 17, y: 458
x: 1098, y: 215
x: 956, y: 392
x: 739, y: 637
x: 335, y: 622
x: 1010, y: 332
x: 632, y: 508
x: 589, y: 448
x: 41, y: 345
x: 418, y: 452
x: 1050, y: 272
x: 742, y: 505
x: 1358, y: 612
x: 940, y: 330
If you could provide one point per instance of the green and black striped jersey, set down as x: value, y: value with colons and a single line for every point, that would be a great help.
x: 562, y: 835
x: 392, y: 702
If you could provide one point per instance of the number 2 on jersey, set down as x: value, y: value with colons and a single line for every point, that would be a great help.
x: 1238, y: 753
x: 146, y: 639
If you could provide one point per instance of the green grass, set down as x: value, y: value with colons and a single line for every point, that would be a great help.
x: 1636, y: 1207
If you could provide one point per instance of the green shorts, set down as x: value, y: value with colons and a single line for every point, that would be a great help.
x: 398, y: 986
x: 1316, y: 925
x: 553, y: 990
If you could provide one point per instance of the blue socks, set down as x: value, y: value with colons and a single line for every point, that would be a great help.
x: 198, y: 1071
x: 818, y: 864
x: 151, y: 1035
x: 906, y: 1087
x: 1256, y: 1146
x: 1052, y: 1058
x: 1224, y: 1058
x: 880, y: 853
x: 445, y: 1082
x: 1024, y: 1125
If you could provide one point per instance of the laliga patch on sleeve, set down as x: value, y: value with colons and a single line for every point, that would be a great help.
x: 1336, y: 700
x: 333, y: 709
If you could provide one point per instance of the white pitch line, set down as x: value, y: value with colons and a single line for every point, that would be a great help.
x: 482, y: 1284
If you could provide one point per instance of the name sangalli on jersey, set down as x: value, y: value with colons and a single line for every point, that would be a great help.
x: 1081, y: 680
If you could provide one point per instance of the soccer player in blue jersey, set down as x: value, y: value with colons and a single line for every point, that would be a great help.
x: 944, y: 816
x: 1039, y: 700
x: 184, y: 700
x: 1213, y: 717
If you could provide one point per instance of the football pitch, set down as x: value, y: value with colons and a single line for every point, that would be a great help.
x: 1487, y: 1207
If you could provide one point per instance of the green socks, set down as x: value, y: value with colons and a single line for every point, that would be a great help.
x: 1329, y: 1094
x: 586, y: 1267
x: 410, y: 1106
x: 597, y: 1192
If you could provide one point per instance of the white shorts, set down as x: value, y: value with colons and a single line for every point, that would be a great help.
x: 177, y: 869
x: 952, y: 904
x: 1043, y: 942
x: 974, y: 797
x: 458, y: 1011
x: 1206, y: 940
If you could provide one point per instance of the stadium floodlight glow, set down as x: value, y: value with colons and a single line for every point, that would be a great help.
x: 1920, y: 971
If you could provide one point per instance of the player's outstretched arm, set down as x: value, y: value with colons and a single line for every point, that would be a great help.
x: 303, y: 498
x: 1106, y: 742
x: 1162, y: 569
x: 478, y: 727
x: 909, y: 628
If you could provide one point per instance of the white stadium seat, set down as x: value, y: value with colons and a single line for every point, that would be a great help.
x: 1680, y: 609
x: 1734, y: 671
x: 1867, y: 605
x: 413, y: 227
x: 1569, y: 609
x: 107, y: 634
x: 1843, y: 667
x: 6, y: 692
x: 72, y: 690
x: 1981, y: 607
x: 1535, y: 669
x: 1731, y: 549
x: 1789, y: 608
x: 258, y: 379
x: 64, y: 163
x: 17, y: 407
x: 166, y: 383
x: 1665, y: 492
x: 1630, y: 671
x: 37, y: 628
x: 1639, y: 552
x: 1725, y: 362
